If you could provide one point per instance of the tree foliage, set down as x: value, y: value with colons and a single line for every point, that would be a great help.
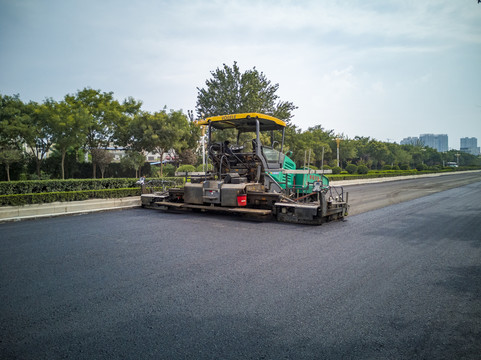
x: 102, y: 158
x: 188, y: 157
x: 133, y: 160
x: 12, y: 110
x: 91, y: 120
x: 35, y: 128
x: 161, y: 131
x: 9, y: 156
x: 68, y: 129
x: 102, y: 113
x: 230, y: 92
x: 351, y: 168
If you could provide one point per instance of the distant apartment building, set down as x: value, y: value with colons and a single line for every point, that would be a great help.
x: 470, y: 145
x: 435, y: 141
x: 410, y: 141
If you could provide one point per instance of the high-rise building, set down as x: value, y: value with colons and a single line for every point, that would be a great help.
x: 470, y: 145
x: 435, y: 141
x: 410, y: 141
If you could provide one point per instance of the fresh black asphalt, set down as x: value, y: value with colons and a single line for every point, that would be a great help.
x: 401, y: 282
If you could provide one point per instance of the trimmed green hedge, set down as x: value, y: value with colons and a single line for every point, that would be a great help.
x: 39, y: 198
x: 351, y: 168
x: 185, y: 168
x: 46, y: 191
x: 362, y: 170
x: 43, y: 186
x: 46, y: 186
x: 381, y: 174
x: 159, y: 184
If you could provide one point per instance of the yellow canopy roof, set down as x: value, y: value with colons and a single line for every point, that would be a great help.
x: 243, y: 122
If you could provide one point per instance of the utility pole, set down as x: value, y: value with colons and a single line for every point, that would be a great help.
x: 203, y: 149
x: 338, y: 141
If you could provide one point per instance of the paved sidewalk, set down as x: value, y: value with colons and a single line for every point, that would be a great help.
x: 15, y: 213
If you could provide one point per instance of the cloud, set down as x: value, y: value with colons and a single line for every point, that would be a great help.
x: 426, y: 21
x: 378, y: 87
x: 338, y: 85
x: 352, y: 65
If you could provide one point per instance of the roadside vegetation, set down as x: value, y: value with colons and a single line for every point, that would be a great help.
x: 56, y: 141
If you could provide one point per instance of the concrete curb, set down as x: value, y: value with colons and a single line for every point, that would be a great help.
x: 34, y: 211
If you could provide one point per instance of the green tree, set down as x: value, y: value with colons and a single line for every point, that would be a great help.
x: 68, y: 128
x: 10, y: 156
x: 319, y: 140
x: 187, y: 132
x: 229, y: 92
x: 160, y: 132
x: 362, y: 169
x: 35, y: 128
x: 102, y: 158
x: 188, y: 157
x: 103, y: 111
x: 11, y: 112
x: 347, y: 149
x: 133, y: 160
x: 121, y: 135
x: 12, y: 109
x: 336, y: 170
x: 351, y: 168
x: 312, y: 141
x: 401, y: 156
x: 362, y: 149
x: 432, y: 157
x: 378, y: 152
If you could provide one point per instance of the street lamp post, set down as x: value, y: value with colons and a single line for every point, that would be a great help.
x: 338, y: 141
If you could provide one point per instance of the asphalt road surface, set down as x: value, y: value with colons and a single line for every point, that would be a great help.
x: 368, y: 197
x: 401, y: 282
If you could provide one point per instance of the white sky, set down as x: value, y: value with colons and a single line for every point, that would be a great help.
x: 385, y: 69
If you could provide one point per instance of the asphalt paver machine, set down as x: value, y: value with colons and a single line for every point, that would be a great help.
x: 251, y: 175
